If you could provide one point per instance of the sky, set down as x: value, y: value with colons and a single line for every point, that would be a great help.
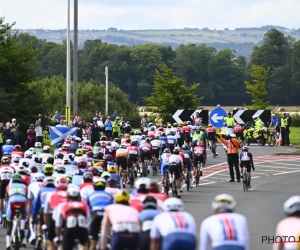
x: 152, y: 14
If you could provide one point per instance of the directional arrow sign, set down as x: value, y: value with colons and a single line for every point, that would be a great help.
x: 237, y: 117
x: 243, y: 116
x: 216, y: 117
x: 176, y: 116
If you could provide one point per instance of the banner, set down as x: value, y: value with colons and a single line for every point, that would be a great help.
x: 58, y: 134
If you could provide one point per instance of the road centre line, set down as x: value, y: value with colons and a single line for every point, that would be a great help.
x: 287, y: 172
x: 298, y: 165
x: 271, y: 170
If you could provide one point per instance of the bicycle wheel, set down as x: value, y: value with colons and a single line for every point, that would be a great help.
x: 187, y: 181
x: 167, y: 186
x: 271, y: 140
x: 245, y: 180
x: 174, y: 188
x: 197, y: 177
x: 131, y: 180
x: 213, y: 150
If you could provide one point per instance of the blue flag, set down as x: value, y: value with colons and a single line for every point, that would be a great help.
x: 59, y: 134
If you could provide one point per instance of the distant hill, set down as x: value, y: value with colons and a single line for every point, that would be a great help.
x: 240, y: 39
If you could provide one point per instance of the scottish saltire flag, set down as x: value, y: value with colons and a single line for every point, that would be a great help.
x: 58, y: 134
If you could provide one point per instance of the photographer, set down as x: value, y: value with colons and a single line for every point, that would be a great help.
x: 16, y: 130
x: 95, y: 132
x: 30, y: 141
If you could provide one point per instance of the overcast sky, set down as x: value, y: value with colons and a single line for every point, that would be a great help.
x: 153, y: 14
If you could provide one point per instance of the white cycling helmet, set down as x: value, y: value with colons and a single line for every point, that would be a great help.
x: 38, y: 145
x: 232, y: 135
x: 73, y: 190
x: 142, y: 183
x: 87, y: 142
x: 245, y: 148
x: 292, y: 205
x: 28, y: 154
x: 223, y: 203
x: 32, y: 150
x: 173, y: 204
x: 16, y: 159
x: 46, y: 148
x: 255, y: 117
x: 39, y: 177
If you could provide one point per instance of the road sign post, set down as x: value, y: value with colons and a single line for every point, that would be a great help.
x: 68, y: 115
x: 216, y: 117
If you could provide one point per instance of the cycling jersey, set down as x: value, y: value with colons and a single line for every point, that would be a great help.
x: 31, y: 163
x: 45, y: 157
x: 40, y: 200
x: 111, y: 190
x: 175, y: 230
x: 163, y: 140
x: 187, y: 158
x: 197, y: 137
x: 34, y: 188
x: 136, y: 200
x: 86, y: 188
x: 224, y: 230
x: 121, y: 152
x: 172, y: 141
x: 7, y: 148
x: 146, y: 217
x: 164, y: 162
x: 16, y: 153
x: 238, y: 128
x: 98, y: 201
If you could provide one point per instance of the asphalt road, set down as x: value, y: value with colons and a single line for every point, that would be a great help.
x: 276, y: 179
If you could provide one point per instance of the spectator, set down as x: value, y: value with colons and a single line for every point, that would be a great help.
x: 108, y: 128
x: 8, y: 134
x: 95, y: 132
x: 38, y: 132
x: 145, y: 121
x: 62, y: 124
x: 289, y: 124
x: 16, y: 131
x: 116, y: 128
x: 197, y: 119
x: 30, y: 137
x: 56, y: 118
x: 158, y: 121
x: 283, y: 127
x: 1, y: 138
x: 101, y: 116
x: 79, y: 124
x: 114, y: 115
x: 97, y: 117
x: 127, y: 128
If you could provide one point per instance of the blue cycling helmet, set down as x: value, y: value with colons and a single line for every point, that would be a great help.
x: 78, y: 172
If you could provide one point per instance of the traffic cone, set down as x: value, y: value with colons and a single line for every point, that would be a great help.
x: 279, y: 140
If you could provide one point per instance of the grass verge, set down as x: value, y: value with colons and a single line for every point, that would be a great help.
x: 295, y: 136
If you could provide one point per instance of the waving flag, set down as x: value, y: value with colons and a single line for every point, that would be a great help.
x: 58, y: 134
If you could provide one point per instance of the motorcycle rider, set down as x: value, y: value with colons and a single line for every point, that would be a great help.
x: 258, y: 125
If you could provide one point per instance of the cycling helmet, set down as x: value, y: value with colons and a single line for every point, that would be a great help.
x: 173, y: 204
x: 34, y: 169
x: 38, y: 145
x: 8, y: 141
x: 128, y: 140
x: 5, y: 160
x: 46, y: 148
x: 103, y: 138
x: 142, y: 183
x: 71, y: 156
x: 123, y: 146
x: 78, y: 139
x: 82, y: 164
x: 97, y: 144
x: 66, y: 159
x: 292, y: 205
x: 73, y: 191
x: 25, y: 164
x: 131, y: 133
x: 133, y: 143
x: 154, y: 187
x: 150, y: 202
x: 59, y: 145
x: 39, y: 177
x: 79, y: 152
x: 28, y: 154
x: 112, y: 181
x: 209, y: 125
x: 184, y: 146
x: 199, y: 143
x: 245, y: 148
x: 108, y: 157
x: 65, y: 147
x: 171, y: 133
x: 17, y: 148
x: 16, y: 178
x: 50, y: 160
x: 163, y: 134
x: 48, y: 169
x: 37, y: 159
x: 148, y: 139
x: 111, y: 169
x: 16, y: 159
x: 90, y: 154
x: 87, y: 176
x: 59, y: 155
x: 255, y: 117
x: 49, y: 181
x: 223, y: 203
x: 122, y: 196
x: 167, y: 150
x: 100, y: 155
x: 32, y: 150
x: 156, y: 137
x: 93, y: 171
x: 175, y: 125
x: 117, y: 140
x: 61, y: 183
x: 22, y: 170
x: 106, y: 175
x: 229, y: 126
x: 176, y: 150
x: 150, y: 124
x: 87, y: 143
x: 232, y: 135
x: 60, y: 170
x: 100, y: 182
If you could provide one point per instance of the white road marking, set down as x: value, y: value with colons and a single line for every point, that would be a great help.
x: 298, y: 165
x: 287, y: 172
x: 212, y: 177
x: 253, y: 177
x: 274, y: 167
x: 271, y: 170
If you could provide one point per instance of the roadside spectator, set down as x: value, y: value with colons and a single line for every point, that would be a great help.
x: 30, y: 137
x: 289, y: 124
x: 79, y: 124
x: 8, y: 134
x: 108, y: 128
x: 95, y: 132
x: 145, y: 121
x: 275, y: 122
x: 97, y: 117
x: 158, y: 121
x: 283, y: 126
x: 127, y: 128
x: 56, y: 118
x: 101, y: 116
x: 116, y: 128
x: 38, y: 132
x: 1, y: 138
x: 61, y: 124
x: 197, y: 119
x: 114, y: 115
x: 16, y: 131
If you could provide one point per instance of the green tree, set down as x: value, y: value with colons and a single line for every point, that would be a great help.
x: 170, y: 93
x: 258, y: 89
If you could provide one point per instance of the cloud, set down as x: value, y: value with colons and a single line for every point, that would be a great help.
x: 153, y: 14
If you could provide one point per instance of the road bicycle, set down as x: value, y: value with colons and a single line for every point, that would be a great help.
x: 187, y: 179
x: 131, y: 175
x: 144, y: 168
x: 245, y: 179
x: 154, y: 167
x: 16, y: 238
x: 198, y: 173
x: 167, y: 182
x: 212, y: 148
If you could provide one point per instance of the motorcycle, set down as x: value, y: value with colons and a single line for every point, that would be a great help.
x: 261, y: 138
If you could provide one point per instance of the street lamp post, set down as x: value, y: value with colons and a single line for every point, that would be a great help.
x: 68, y: 73
x: 106, y: 91
x: 75, y: 59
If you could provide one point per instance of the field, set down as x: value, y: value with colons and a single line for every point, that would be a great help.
x: 295, y: 136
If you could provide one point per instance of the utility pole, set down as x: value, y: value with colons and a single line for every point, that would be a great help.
x: 106, y: 91
x: 75, y: 59
x: 68, y: 73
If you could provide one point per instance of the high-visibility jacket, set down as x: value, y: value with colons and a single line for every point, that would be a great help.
x: 284, y: 122
x: 229, y: 121
x: 232, y: 145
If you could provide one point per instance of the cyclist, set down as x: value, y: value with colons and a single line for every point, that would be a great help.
x: 8, y: 147
x: 75, y: 215
x: 238, y: 130
x: 142, y: 187
x: 124, y: 223
x: 146, y: 153
x: 186, y: 133
x: 38, y: 148
x: 197, y: 137
x: 16, y: 192
x: 134, y: 155
x: 53, y: 199
x: 122, y: 161
x: 87, y: 186
x: 28, y: 158
x: 164, y: 164
x: 173, y: 228
x: 6, y: 172
x: 246, y: 160
x: 146, y: 217
x: 59, y: 172
x: 17, y: 152
x: 78, y: 155
x: 188, y: 159
x: 163, y: 140
x: 172, y: 140
x: 211, y: 136
x: 46, y: 154
x: 24, y: 172
x: 112, y: 186
x: 176, y: 166
x: 156, y: 149
x: 48, y: 170
x: 291, y: 224
x: 113, y: 174
x: 199, y: 155
x: 38, y: 207
x: 97, y: 201
x: 225, y: 229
